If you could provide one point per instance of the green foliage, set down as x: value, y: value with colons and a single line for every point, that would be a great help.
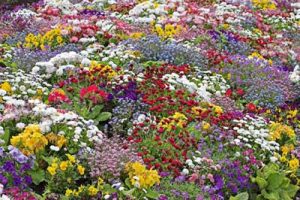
x: 273, y: 184
x: 241, y: 196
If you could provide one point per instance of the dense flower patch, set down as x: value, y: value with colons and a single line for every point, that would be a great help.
x: 157, y: 99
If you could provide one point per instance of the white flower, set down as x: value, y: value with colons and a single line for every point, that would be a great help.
x: 185, y: 171
x: 4, y: 197
x: 86, y: 62
x: 20, y: 126
x: 273, y: 159
x: 54, y: 148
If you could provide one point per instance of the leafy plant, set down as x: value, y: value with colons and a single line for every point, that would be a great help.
x: 273, y: 184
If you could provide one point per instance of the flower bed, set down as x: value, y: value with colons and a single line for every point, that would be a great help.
x: 158, y: 99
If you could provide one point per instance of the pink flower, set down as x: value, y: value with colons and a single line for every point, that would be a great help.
x: 74, y: 39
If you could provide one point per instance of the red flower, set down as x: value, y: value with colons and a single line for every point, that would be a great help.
x: 251, y: 107
x: 228, y: 93
x: 58, y: 96
x: 93, y: 93
x: 240, y: 92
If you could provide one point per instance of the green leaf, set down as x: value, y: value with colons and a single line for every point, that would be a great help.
x: 262, y: 183
x: 108, y: 188
x: 127, y: 183
x: 37, y: 176
x: 104, y: 116
x: 285, y: 183
x: 129, y: 192
x: 152, y: 194
x: 96, y: 111
x: 241, y: 196
x: 292, y: 190
x: 270, y: 169
x: 285, y: 196
x: 47, y: 159
x: 275, y: 180
x: 270, y: 196
x: 6, y: 136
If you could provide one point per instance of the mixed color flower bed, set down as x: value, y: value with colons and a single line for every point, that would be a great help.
x: 156, y: 99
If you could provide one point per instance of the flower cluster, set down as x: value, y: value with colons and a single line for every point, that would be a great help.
x: 140, y: 177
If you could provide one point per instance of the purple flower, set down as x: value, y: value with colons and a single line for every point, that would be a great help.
x: 219, y: 182
x: 27, y: 180
x: 163, y: 197
x: 9, y: 166
x: 3, y: 179
x: 25, y: 167
x: 1, y: 151
x: 17, y: 180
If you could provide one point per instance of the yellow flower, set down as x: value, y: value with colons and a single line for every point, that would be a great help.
x: 63, y: 165
x: 205, y: 126
x: 264, y: 4
x: 140, y: 176
x: 294, y: 164
x: 179, y: 115
x: 225, y: 26
x: 92, y: 191
x: 217, y: 109
x: 68, y: 192
x: 51, y: 170
x: 292, y: 113
x: 100, y: 181
x: 285, y: 150
x: 80, y: 169
x: 283, y: 159
x: 59, y: 39
x: 31, y: 140
x: 136, y: 35
x: 6, y: 87
x: 278, y: 130
x: 69, y: 180
x: 71, y: 158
